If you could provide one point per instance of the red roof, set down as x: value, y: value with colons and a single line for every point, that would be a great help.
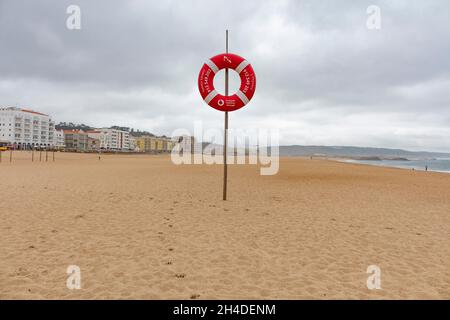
x: 33, y: 112
x: 74, y: 131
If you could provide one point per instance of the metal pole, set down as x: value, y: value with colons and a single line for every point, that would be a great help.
x: 225, y: 165
x: 32, y: 154
x: 53, y: 155
x: 46, y: 154
x: 1, y: 156
x: 10, y: 155
x: 40, y: 154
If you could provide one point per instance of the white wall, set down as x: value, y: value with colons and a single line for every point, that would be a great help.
x: 24, y: 127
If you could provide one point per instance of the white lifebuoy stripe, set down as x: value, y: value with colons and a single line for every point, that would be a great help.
x: 243, y: 97
x: 242, y: 66
x: 210, y: 96
x: 212, y: 65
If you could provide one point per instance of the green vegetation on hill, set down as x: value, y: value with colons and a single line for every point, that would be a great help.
x: 72, y: 126
x: 84, y: 127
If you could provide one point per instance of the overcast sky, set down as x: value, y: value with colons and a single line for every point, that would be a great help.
x: 323, y: 77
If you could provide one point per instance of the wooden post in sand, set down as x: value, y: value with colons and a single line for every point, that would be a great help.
x: 32, y: 154
x: 225, y: 139
x: 40, y: 154
x: 46, y: 154
x: 1, y: 156
x: 53, y: 155
x: 10, y: 155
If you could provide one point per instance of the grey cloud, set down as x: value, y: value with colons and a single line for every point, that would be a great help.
x: 322, y: 76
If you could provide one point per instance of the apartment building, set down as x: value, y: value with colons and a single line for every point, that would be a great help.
x: 133, y: 146
x: 76, y: 140
x: 95, y: 139
x: 154, y: 144
x: 112, y: 139
x: 26, y: 129
x: 93, y: 144
x: 58, y: 139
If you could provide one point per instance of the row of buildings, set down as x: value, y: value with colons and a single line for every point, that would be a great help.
x: 27, y: 129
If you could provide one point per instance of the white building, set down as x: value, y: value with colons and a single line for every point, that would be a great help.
x: 112, y: 139
x: 26, y: 129
x: 58, y: 139
x: 95, y: 134
x: 133, y: 145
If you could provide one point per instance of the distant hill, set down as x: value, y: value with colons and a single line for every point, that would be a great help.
x: 138, y: 133
x: 72, y: 126
x: 357, y: 152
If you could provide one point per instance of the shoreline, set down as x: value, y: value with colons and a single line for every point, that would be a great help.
x: 379, y: 163
x: 25, y: 155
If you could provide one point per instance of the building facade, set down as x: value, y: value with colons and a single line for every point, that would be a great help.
x: 93, y: 144
x: 133, y: 145
x: 76, y: 140
x: 58, y: 139
x: 154, y: 144
x: 26, y: 129
x: 112, y: 139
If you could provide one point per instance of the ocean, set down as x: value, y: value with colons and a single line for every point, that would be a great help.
x: 438, y: 165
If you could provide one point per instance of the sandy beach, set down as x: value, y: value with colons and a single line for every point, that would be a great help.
x: 140, y: 227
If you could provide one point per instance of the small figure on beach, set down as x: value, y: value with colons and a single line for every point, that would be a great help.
x: 426, y: 167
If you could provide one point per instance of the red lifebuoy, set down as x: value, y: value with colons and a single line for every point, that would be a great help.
x: 206, y: 82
